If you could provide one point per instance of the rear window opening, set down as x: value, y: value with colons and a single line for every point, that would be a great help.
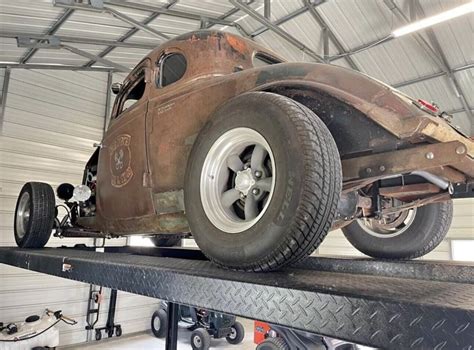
x: 172, y: 68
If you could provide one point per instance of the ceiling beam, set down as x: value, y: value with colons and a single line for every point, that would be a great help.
x: 136, y: 24
x: 432, y: 76
x: 54, y: 67
x: 52, y: 42
x: 459, y: 110
x: 169, y: 12
x: 77, y: 40
x: 286, y: 18
x: 434, y: 50
x: 98, y: 6
x: 361, y: 48
x: 277, y: 30
x: 449, y: 73
x: 130, y: 33
x: 267, y: 9
x: 3, y: 102
x: 52, y: 30
x: 96, y: 58
x: 322, y: 23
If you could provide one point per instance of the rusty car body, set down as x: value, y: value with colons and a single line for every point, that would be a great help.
x: 137, y: 174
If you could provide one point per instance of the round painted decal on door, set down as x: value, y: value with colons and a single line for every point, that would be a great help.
x: 120, y: 161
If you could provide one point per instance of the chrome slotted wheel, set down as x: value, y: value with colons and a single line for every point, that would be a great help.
x: 237, y: 180
x: 22, y: 218
x: 390, y: 226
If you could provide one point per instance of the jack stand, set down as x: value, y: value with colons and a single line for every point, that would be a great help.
x: 110, y: 327
x: 93, y: 306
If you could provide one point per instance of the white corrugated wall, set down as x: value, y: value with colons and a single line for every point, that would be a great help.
x: 52, y: 119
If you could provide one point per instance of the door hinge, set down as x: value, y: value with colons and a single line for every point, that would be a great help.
x: 147, y: 179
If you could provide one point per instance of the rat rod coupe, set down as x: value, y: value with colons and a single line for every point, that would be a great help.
x: 214, y: 136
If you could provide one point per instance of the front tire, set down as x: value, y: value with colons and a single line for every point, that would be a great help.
x: 262, y: 183
x: 159, y: 323
x: 34, y: 215
x: 200, y: 339
x: 413, y: 239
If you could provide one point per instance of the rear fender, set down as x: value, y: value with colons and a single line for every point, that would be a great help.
x: 386, y: 107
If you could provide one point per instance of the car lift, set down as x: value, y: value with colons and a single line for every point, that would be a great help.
x: 386, y: 304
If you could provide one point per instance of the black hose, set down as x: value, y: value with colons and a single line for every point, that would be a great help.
x: 37, y: 334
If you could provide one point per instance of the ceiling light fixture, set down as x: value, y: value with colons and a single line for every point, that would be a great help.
x: 432, y: 20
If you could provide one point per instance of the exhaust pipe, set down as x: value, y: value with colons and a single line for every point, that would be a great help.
x: 435, y: 180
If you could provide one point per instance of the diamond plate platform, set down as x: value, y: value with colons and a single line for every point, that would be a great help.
x: 391, y: 305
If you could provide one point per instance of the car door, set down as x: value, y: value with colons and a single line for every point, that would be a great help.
x: 122, y: 193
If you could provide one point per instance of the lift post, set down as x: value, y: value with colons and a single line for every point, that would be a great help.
x: 392, y: 305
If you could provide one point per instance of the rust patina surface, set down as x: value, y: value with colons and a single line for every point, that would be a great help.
x: 143, y: 159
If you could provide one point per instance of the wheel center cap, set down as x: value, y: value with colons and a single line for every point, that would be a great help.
x: 244, y: 181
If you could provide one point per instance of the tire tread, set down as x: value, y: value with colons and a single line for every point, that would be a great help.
x: 320, y: 193
x: 42, y: 211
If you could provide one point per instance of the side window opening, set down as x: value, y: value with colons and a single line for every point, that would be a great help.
x: 261, y: 59
x: 133, y: 94
x: 172, y: 68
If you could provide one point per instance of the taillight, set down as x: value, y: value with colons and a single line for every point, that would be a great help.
x: 429, y: 106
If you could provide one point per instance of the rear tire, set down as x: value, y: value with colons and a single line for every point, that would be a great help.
x: 303, y: 169
x: 34, y: 215
x: 425, y: 232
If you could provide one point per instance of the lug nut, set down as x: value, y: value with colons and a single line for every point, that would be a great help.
x: 429, y: 155
x: 255, y: 191
x: 460, y: 150
x: 242, y: 195
x: 258, y: 173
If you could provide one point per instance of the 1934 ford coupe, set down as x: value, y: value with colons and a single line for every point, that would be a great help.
x: 215, y: 136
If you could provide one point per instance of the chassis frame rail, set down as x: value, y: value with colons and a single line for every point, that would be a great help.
x: 393, y: 305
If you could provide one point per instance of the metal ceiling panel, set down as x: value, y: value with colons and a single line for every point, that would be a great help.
x: 204, y: 7
x: 396, y: 61
x: 87, y: 24
x: 62, y: 56
x: 247, y: 22
x: 305, y: 28
x: 283, y: 48
x: 173, y: 26
x: 126, y: 57
x: 142, y: 37
x: 465, y: 78
x: 457, y: 40
x: 437, y: 90
x: 357, y: 23
x: 27, y: 15
x: 462, y: 120
x: 9, y: 51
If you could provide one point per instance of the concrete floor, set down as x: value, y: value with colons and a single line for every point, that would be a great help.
x: 149, y: 341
